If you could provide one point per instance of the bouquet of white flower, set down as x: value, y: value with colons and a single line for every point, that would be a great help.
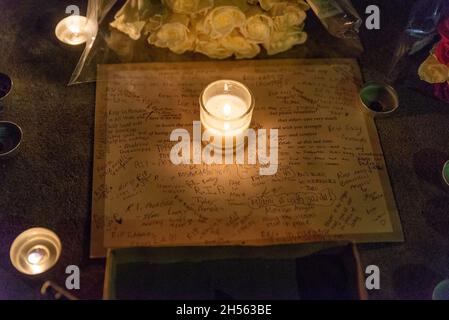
x: 216, y: 28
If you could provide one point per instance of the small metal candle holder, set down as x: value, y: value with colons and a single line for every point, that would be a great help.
x: 378, y: 99
x: 35, y: 251
x: 10, y: 138
x: 5, y: 88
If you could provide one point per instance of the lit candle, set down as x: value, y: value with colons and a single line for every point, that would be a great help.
x: 35, y: 251
x: 75, y: 30
x: 37, y: 255
x: 226, y: 109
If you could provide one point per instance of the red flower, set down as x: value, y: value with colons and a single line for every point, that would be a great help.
x: 443, y: 29
x: 442, y: 52
x: 441, y: 91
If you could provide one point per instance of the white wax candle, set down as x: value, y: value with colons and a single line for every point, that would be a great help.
x: 226, y: 108
x: 75, y: 30
x: 35, y: 251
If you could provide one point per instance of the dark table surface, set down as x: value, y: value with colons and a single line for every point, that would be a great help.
x: 48, y: 183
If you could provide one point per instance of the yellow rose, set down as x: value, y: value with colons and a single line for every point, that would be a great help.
x: 286, y: 15
x: 242, y: 48
x: 284, y: 40
x: 258, y: 28
x: 432, y: 71
x: 221, y: 21
x: 173, y: 35
x: 212, y: 48
x: 189, y: 6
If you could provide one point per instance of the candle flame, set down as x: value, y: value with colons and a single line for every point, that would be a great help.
x: 74, y: 28
x: 227, y: 109
x: 35, y: 258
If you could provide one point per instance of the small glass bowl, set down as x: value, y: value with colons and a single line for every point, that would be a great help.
x: 10, y: 138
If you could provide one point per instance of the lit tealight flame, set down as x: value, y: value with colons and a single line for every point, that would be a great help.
x: 227, y: 109
x: 75, y: 29
x: 36, y: 256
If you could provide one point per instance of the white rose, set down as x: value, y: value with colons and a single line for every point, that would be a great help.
x: 258, y: 28
x: 131, y: 18
x: 189, y: 6
x: 286, y: 15
x: 284, y: 40
x: 132, y: 29
x: 212, y: 48
x: 173, y: 35
x: 268, y: 4
x: 154, y: 23
x: 242, y: 48
x: 221, y: 21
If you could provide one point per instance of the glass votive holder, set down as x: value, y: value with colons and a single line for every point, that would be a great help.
x: 378, y: 99
x: 445, y: 174
x: 5, y: 88
x: 35, y: 251
x: 75, y: 30
x: 441, y: 291
x: 226, y: 109
x: 10, y: 138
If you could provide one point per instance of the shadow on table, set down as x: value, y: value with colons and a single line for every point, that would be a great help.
x: 436, y: 214
x: 428, y: 166
x: 414, y: 281
x: 145, y: 273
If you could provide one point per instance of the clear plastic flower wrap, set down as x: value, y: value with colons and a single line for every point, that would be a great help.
x: 339, y: 17
x: 191, y: 30
x: 421, y: 58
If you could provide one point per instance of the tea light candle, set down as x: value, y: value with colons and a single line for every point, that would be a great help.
x: 74, y: 30
x: 226, y: 108
x: 35, y: 251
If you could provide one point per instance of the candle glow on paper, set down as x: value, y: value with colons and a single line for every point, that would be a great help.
x: 74, y: 30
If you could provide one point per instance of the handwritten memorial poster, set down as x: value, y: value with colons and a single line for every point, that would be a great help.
x: 331, y: 181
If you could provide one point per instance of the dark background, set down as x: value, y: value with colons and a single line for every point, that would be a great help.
x: 48, y: 183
